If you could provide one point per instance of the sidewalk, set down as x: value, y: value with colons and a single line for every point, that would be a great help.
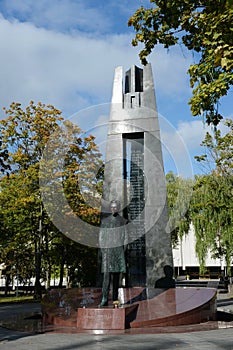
x: 212, y: 340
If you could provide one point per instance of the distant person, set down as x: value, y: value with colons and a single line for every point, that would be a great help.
x: 113, y: 244
x: 226, y: 282
x: 168, y: 281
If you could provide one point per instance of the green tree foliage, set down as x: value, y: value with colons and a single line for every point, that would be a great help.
x: 218, y: 151
x: 80, y: 178
x: 179, y: 192
x: 212, y: 206
x: 24, y: 134
x: 3, y: 158
x: 204, y: 26
x: 212, y: 217
x: 17, y: 225
x: 28, y: 236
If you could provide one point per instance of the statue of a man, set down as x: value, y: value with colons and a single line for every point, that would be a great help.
x: 113, y: 240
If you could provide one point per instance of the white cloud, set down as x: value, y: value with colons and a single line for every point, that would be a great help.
x: 181, y: 144
x: 57, y: 68
x: 170, y: 70
x: 65, y: 15
x: 91, y: 16
x: 193, y: 133
x: 176, y: 153
x: 69, y: 71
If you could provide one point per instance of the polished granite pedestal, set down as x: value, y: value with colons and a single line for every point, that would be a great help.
x: 106, y: 318
x: 140, y: 308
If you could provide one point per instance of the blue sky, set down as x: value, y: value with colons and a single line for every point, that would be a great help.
x: 64, y: 52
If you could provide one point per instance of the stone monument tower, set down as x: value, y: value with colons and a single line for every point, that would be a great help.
x: 134, y: 175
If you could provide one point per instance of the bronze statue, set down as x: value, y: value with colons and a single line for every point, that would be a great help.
x: 113, y: 244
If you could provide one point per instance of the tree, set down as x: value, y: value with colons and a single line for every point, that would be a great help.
x: 80, y: 177
x: 212, y: 208
x: 219, y: 151
x: 204, y: 26
x: 24, y: 135
x: 179, y: 192
x: 212, y: 214
x: 16, y: 228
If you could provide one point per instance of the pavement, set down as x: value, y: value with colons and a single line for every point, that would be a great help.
x: 221, y: 339
x: 15, y: 340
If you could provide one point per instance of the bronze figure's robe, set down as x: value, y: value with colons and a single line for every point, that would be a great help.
x: 113, y: 243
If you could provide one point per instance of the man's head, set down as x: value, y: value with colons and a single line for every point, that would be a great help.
x: 114, y: 206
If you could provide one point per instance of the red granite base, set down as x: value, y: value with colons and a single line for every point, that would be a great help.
x: 153, y: 309
x: 105, y: 318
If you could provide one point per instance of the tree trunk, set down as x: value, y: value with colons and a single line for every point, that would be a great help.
x: 48, y: 275
x: 37, y: 290
x: 8, y: 281
x: 62, y: 264
x: 48, y: 270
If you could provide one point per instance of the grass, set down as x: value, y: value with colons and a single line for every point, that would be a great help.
x: 14, y: 299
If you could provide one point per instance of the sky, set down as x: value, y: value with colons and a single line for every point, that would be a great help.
x: 64, y: 52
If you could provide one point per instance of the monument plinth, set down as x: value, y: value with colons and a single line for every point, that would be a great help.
x: 143, y: 310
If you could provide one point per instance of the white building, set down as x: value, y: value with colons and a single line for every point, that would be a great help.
x: 185, y: 258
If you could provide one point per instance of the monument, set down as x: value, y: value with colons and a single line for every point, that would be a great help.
x: 134, y: 175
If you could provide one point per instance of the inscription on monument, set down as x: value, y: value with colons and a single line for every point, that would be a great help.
x: 135, y: 173
x: 100, y: 318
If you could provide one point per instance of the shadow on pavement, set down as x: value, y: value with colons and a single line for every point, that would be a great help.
x: 9, y: 335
